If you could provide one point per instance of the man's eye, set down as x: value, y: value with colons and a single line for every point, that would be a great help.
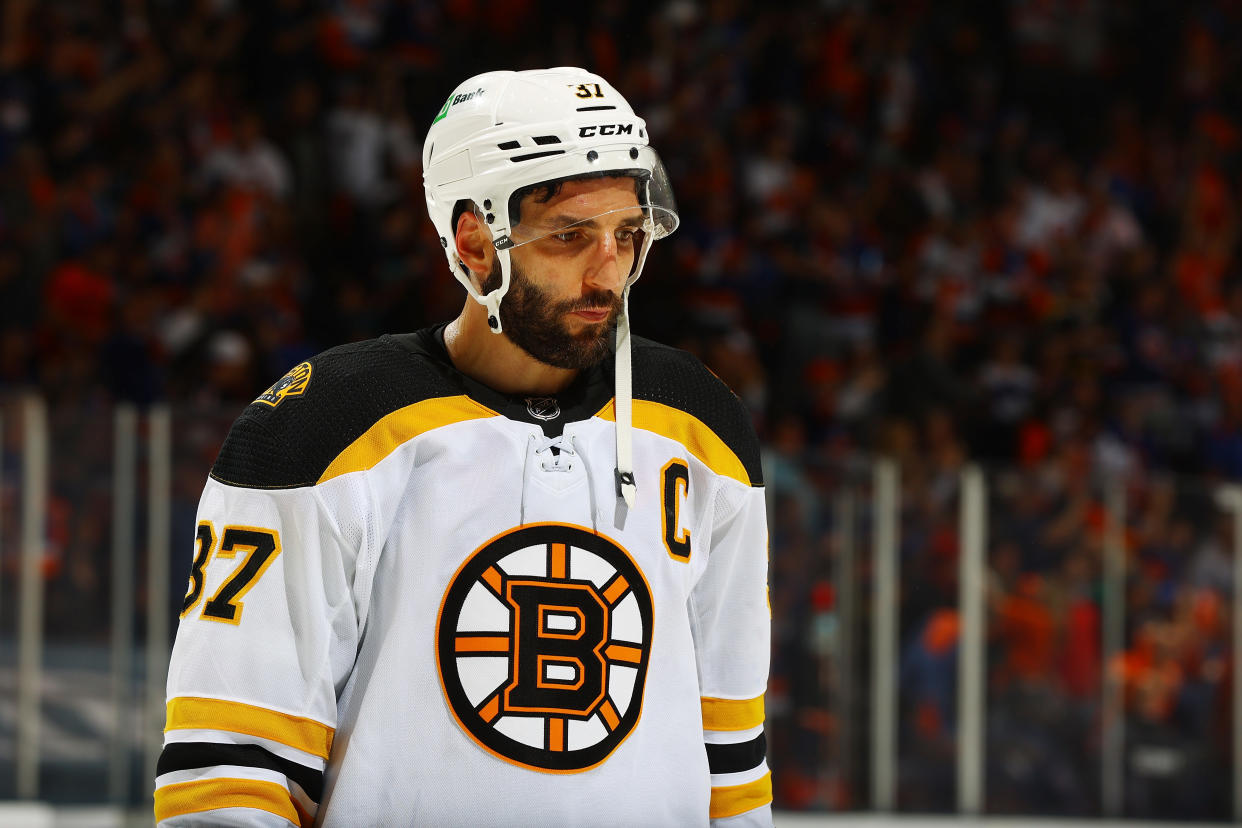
x: 626, y: 234
x: 568, y: 236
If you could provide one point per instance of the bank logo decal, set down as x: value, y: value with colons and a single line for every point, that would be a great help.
x: 454, y: 100
x: 542, y: 647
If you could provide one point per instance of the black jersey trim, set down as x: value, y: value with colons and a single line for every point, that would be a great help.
x: 179, y: 756
x: 355, y: 386
x: 736, y: 757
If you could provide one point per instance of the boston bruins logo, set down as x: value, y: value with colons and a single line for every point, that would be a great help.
x: 291, y: 384
x: 542, y: 646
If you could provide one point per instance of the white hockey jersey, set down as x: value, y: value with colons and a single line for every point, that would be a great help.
x: 416, y: 601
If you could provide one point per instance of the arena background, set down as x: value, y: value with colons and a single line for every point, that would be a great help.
x: 973, y: 266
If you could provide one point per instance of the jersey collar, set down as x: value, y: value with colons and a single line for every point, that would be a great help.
x: 587, y: 394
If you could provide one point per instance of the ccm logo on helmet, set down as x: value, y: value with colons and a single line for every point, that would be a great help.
x: 605, y: 129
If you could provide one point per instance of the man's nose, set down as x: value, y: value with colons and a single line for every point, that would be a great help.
x: 605, y: 270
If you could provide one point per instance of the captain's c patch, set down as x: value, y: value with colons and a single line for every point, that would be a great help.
x: 542, y: 647
x: 291, y: 384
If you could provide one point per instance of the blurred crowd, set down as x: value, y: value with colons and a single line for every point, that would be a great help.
x: 951, y: 231
x: 1022, y: 215
x: 1046, y: 664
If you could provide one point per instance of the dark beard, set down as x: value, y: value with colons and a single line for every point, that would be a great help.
x: 536, y: 324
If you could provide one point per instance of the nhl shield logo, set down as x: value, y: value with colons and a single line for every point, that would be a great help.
x: 542, y: 647
x: 543, y: 408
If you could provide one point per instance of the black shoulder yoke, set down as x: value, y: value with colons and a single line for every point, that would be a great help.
x: 678, y: 379
x: 289, y: 436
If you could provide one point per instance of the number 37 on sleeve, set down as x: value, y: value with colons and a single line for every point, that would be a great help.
x: 259, y: 548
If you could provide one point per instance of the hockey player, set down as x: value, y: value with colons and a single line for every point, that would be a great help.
x: 505, y: 571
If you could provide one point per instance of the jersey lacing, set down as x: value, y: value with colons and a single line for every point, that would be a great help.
x: 557, y: 454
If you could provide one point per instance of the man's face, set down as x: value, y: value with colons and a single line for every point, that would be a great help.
x: 567, y: 278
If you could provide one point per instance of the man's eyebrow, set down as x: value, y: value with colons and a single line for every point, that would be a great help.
x: 564, y: 220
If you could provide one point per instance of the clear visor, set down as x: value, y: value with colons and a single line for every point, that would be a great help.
x: 621, y: 205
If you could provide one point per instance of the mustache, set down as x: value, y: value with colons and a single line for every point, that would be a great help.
x: 592, y: 301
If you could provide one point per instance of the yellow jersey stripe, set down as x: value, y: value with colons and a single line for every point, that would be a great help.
x: 306, y: 735
x: 686, y: 429
x: 738, y: 799
x: 401, y: 426
x: 209, y: 794
x: 732, y: 714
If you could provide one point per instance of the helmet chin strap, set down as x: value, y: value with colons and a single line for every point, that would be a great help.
x: 492, y: 300
x: 624, y: 472
x: 627, y: 489
x: 492, y: 303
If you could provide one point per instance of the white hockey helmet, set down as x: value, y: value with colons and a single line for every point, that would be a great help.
x: 503, y: 131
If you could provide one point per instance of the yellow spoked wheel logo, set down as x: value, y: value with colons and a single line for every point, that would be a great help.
x: 542, y: 646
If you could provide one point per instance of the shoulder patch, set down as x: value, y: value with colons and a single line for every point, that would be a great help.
x: 275, y: 446
x: 292, y: 384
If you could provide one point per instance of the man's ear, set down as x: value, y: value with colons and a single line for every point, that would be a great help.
x: 474, y: 246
